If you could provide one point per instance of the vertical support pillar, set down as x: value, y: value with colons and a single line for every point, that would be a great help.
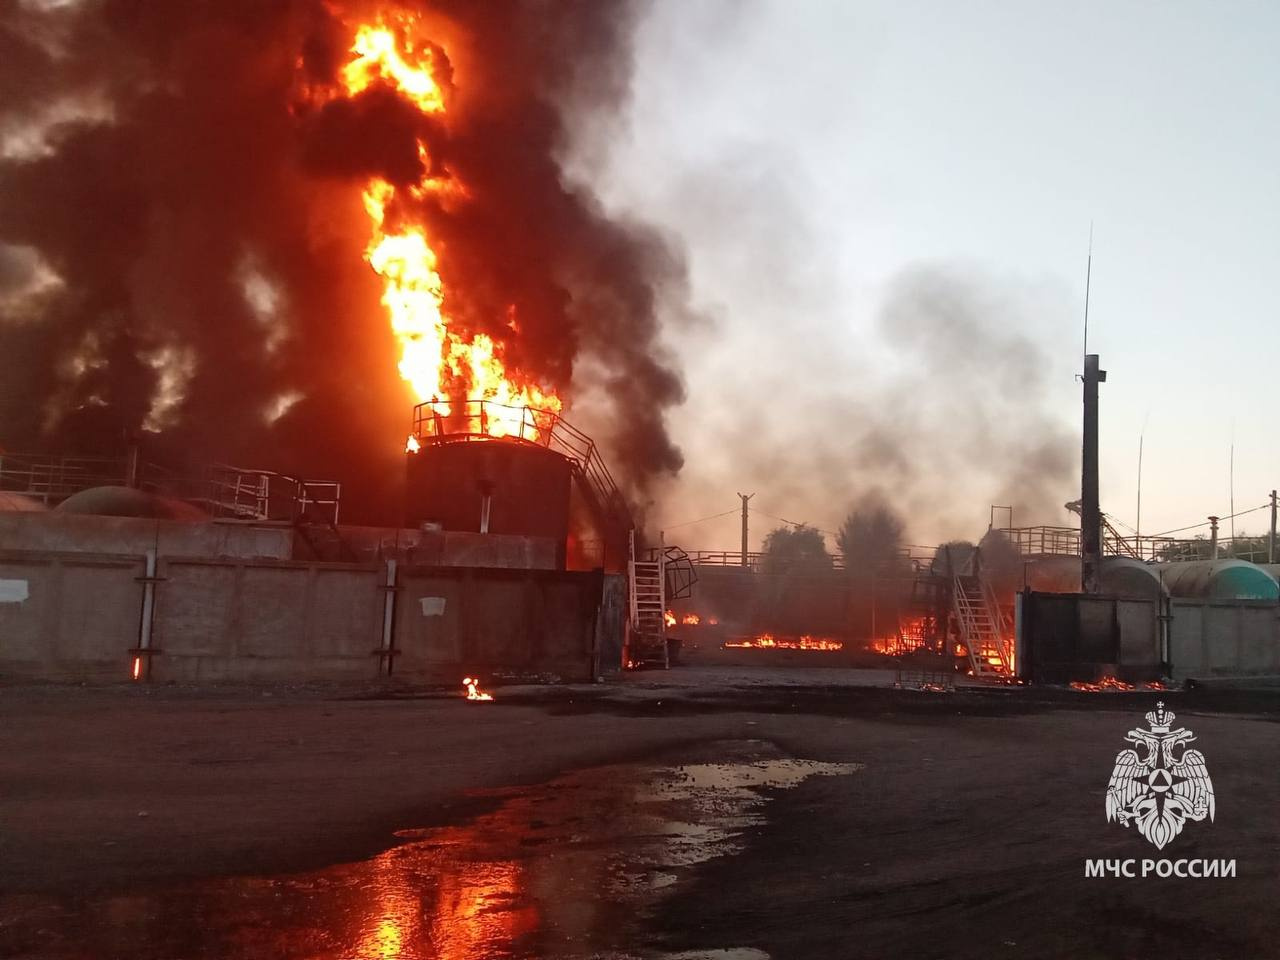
x: 745, y: 497
x: 388, y: 658
x: 1090, y: 510
x: 140, y: 668
x: 1213, y: 538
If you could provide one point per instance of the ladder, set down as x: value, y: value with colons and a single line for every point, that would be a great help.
x: 982, y: 630
x: 648, y: 600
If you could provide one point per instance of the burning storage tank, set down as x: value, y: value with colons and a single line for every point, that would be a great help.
x: 487, y: 467
x: 1219, y: 580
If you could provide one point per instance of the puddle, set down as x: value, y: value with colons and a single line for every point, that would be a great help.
x: 569, y: 868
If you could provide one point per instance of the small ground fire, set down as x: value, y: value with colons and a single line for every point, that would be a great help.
x: 767, y: 641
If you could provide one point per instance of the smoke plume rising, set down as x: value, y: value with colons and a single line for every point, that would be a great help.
x: 182, y: 234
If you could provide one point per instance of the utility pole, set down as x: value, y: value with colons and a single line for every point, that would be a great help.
x: 1271, y: 540
x: 745, y: 497
x: 1213, y: 538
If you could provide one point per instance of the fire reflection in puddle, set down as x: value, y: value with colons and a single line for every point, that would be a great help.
x: 563, y: 869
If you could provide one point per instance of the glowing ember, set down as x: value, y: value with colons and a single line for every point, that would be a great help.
x: 669, y: 618
x: 691, y: 619
x: 473, y: 689
x: 439, y: 360
x: 1113, y: 683
x: 1106, y: 683
x: 713, y: 621
x: 137, y: 668
x: 767, y: 641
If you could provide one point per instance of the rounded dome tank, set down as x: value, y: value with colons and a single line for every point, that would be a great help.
x: 1219, y: 580
x: 17, y: 503
x: 128, y: 502
x: 1121, y: 577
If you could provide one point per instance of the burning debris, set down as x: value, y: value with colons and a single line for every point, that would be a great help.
x: 767, y: 641
x: 472, y: 686
x: 1114, y: 684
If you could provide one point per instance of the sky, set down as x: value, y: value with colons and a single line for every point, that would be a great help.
x: 822, y: 162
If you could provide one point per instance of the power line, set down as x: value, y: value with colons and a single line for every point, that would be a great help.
x: 1206, y: 523
x: 794, y: 523
x: 689, y: 523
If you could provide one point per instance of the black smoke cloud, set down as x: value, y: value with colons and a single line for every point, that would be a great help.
x: 167, y: 154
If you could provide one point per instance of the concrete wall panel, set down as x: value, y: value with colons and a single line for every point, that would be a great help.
x: 1224, y: 638
x: 195, y: 611
x: 74, y: 533
x: 347, y: 614
x: 497, y: 621
x: 98, y: 614
x: 78, y: 620
x: 273, y: 607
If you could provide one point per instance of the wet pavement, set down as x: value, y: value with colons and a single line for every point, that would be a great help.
x: 571, y: 868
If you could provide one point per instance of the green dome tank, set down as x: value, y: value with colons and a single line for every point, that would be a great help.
x: 1219, y: 580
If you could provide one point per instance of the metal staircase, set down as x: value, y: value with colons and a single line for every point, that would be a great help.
x: 647, y: 643
x: 982, y: 628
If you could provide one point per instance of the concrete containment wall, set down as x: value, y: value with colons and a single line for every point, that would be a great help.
x: 264, y: 620
x: 80, y: 616
x: 455, y: 621
x: 1224, y: 638
x: 69, y: 616
x: 72, y: 533
x: 449, y: 548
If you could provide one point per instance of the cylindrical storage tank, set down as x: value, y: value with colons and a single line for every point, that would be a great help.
x: 128, y: 502
x: 490, y: 486
x: 17, y: 503
x: 1131, y: 579
x: 1120, y: 577
x: 1219, y: 580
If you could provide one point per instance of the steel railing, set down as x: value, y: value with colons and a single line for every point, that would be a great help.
x: 225, y: 491
x: 437, y: 421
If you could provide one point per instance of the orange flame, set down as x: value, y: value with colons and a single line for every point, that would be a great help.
x: 767, y: 641
x: 1106, y: 683
x: 473, y: 689
x: 137, y: 668
x: 691, y: 619
x: 438, y: 361
x: 1113, y: 683
x: 669, y: 618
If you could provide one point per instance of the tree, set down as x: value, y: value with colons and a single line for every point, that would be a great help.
x: 871, y: 540
x: 798, y: 549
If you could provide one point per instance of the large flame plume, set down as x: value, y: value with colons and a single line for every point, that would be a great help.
x: 438, y: 360
x: 223, y: 226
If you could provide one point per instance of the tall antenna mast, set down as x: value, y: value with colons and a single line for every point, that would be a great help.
x: 1231, y: 479
x: 1138, y: 523
x: 1088, y: 276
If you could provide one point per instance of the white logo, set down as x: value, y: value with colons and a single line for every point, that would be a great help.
x: 1160, y: 792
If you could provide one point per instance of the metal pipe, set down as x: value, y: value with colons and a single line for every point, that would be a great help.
x: 142, y: 662
x: 388, y: 617
x: 1213, y: 538
x: 1090, y: 510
